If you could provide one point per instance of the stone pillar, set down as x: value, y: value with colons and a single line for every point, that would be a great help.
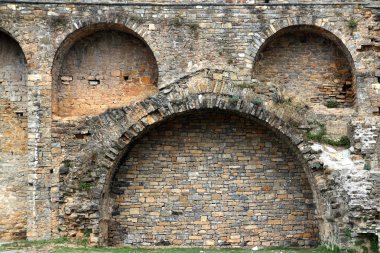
x: 39, y: 142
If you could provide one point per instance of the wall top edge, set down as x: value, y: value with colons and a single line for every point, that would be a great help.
x: 189, y: 4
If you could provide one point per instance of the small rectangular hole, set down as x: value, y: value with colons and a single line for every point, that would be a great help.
x: 266, y: 1
x: 126, y: 78
x: 93, y: 82
x: 19, y: 114
x: 378, y: 79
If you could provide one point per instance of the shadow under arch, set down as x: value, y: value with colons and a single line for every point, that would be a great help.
x: 89, y: 30
x: 161, y: 112
x: 15, y: 40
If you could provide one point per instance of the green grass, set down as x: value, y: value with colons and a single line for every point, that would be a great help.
x: 41, y: 244
x: 196, y: 250
x: 65, y: 245
x: 191, y: 250
x: 321, y: 137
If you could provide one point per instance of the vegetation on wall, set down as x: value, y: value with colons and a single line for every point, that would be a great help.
x: 321, y: 137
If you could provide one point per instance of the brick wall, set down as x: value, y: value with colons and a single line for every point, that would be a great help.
x: 107, y: 69
x: 13, y: 139
x: 212, y: 179
x: 307, y: 63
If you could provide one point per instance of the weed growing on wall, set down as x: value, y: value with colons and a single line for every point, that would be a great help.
x: 321, y: 137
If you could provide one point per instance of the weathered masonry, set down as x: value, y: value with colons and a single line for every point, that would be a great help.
x: 190, y: 124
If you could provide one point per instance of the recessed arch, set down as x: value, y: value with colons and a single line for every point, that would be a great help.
x: 101, y: 66
x: 211, y: 178
x: 158, y: 111
x: 13, y: 139
x: 310, y: 60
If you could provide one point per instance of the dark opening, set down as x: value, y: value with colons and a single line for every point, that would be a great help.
x: 126, y: 78
x: 19, y: 114
x: 303, y: 39
x: 81, y: 136
x: 266, y: 1
x: 378, y: 79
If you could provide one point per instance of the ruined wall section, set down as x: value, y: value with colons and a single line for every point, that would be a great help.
x: 104, y: 70
x: 13, y: 140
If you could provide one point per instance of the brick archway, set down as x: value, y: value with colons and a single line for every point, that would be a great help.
x: 259, y: 40
x: 77, y: 28
x: 309, y: 58
x: 116, y: 61
x: 154, y: 110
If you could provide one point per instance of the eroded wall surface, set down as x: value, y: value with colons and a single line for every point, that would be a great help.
x: 13, y: 140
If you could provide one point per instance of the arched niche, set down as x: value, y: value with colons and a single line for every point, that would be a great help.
x: 13, y: 139
x: 308, y: 62
x: 99, y: 67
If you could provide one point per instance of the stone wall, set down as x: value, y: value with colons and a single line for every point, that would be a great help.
x: 106, y: 69
x: 205, y: 55
x: 212, y: 179
x: 13, y: 140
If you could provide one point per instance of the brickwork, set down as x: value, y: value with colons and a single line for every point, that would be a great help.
x: 13, y: 139
x: 307, y: 62
x: 104, y: 70
x: 211, y: 179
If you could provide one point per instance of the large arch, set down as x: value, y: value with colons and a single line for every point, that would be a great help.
x: 152, y: 111
x: 100, y: 61
x: 13, y: 139
x: 211, y: 178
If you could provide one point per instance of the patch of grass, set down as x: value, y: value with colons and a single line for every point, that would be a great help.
x: 331, y: 103
x: 85, y: 186
x: 233, y: 100
x: 320, y: 136
x: 277, y: 98
x: 67, y: 163
x: 176, y: 22
x: 66, y: 245
x: 35, y: 244
x: 137, y: 19
x: 343, y: 141
x: 194, y: 27
x: 257, y: 101
x: 348, y: 233
x: 198, y: 250
x: 367, y: 166
x: 317, y: 136
x: 352, y: 23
